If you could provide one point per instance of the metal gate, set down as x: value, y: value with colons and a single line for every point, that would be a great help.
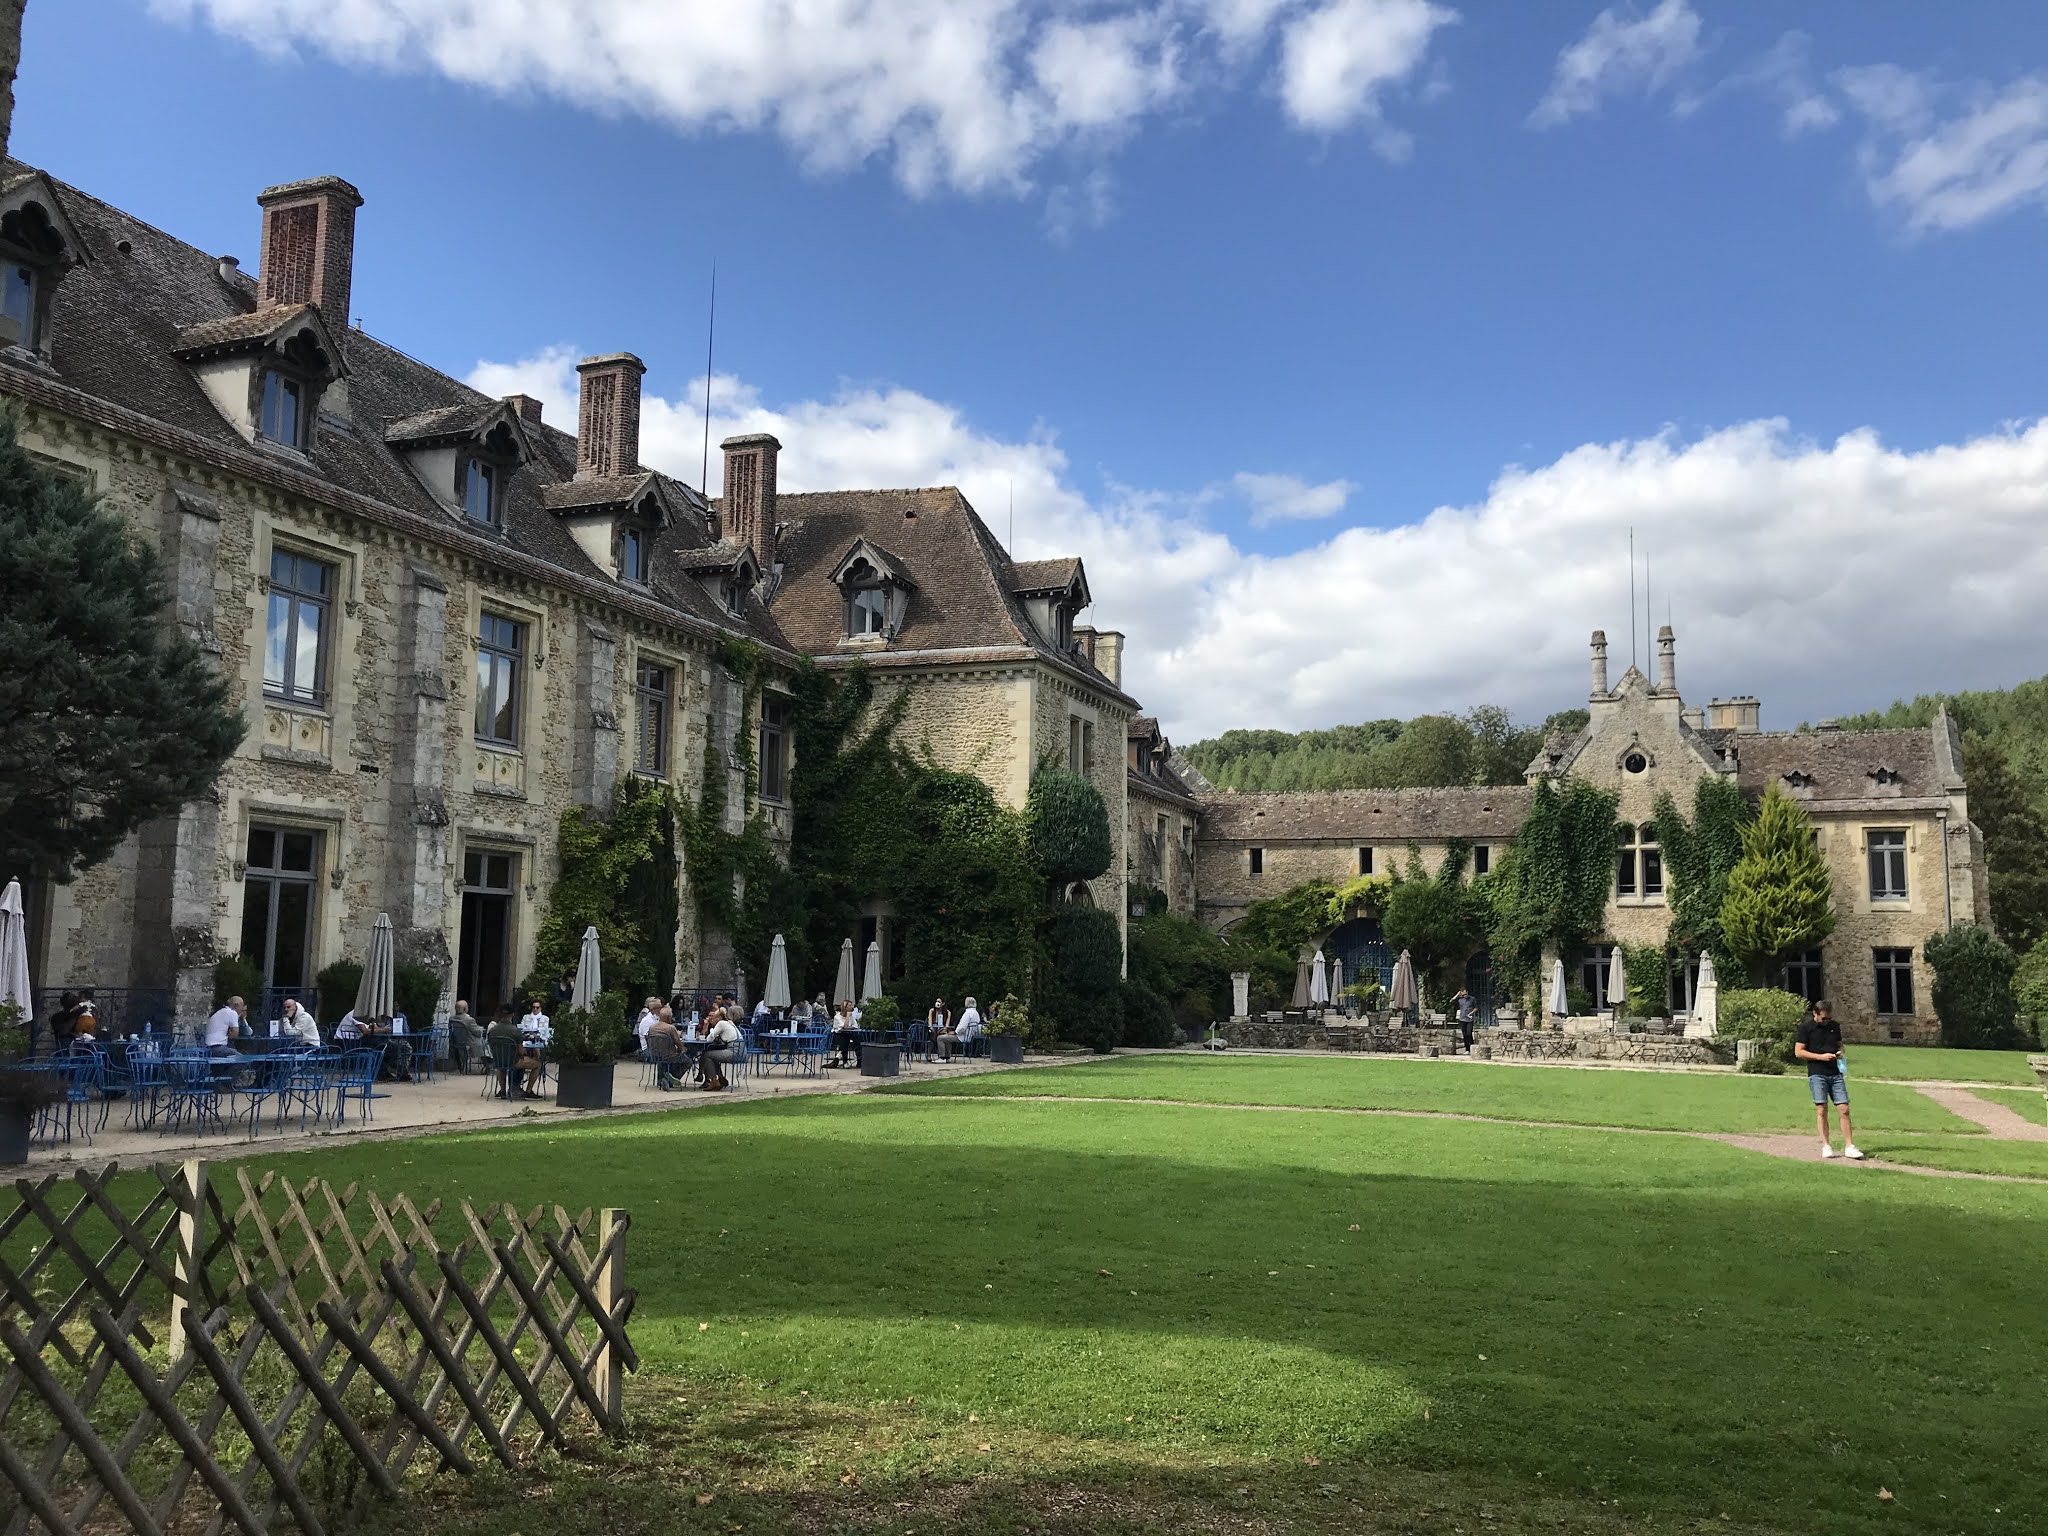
x: 1479, y: 982
x: 1362, y: 949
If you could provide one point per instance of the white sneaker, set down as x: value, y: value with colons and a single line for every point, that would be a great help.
x: 1826, y: 1150
x: 1851, y: 1153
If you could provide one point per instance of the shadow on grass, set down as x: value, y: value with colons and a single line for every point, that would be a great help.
x: 1607, y: 1316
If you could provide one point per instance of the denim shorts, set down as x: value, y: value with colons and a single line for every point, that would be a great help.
x: 1829, y: 1085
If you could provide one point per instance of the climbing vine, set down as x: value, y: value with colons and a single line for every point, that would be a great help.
x: 1550, y: 892
x: 617, y: 873
x: 1698, y: 855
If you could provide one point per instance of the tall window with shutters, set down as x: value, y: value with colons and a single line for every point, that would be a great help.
x: 295, y: 630
x: 654, y: 692
x: 500, y: 651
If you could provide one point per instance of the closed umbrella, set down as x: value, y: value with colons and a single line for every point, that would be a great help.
x: 1336, y: 979
x: 777, y: 993
x: 1560, y: 1000
x: 1403, y: 996
x: 1617, y: 983
x: 871, y: 983
x: 589, y: 976
x: 1301, y: 981
x: 1318, y: 979
x: 842, y: 984
x: 374, y: 997
x: 14, y: 952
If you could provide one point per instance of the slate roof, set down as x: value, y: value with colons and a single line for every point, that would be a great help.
x: 232, y: 330
x: 964, y: 597
x: 1835, y: 765
x: 444, y: 421
x: 1365, y: 815
x: 1043, y: 575
x: 119, y: 320
x: 1163, y: 780
x: 598, y: 491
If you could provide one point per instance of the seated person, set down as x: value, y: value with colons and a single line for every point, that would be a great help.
x: 535, y: 1025
x: 723, y: 1044
x: 845, y: 1037
x: 504, y: 1032
x: 665, y: 1044
x: 465, y: 1034
x: 349, y: 1030
x: 650, y: 1012
x: 223, y: 1025
x: 962, y: 1034
x: 294, y: 1020
x: 397, y: 1064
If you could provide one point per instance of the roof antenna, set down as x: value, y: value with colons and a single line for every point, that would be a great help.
x: 1632, y: 596
x: 1649, y: 640
x: 710, y: 332
x: 1012, y: 483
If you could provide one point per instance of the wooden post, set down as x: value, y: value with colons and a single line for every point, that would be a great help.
x: 610, y: 1285
x: 188, y: 1298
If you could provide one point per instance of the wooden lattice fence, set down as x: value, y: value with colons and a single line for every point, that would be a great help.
x: 212, y: 1351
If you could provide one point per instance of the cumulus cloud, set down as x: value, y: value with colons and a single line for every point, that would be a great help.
x: 1949, y: 157
x: 966, y: 95
x: 1620, y: 52
x: 1826, y: 577
x: 1289, y: 498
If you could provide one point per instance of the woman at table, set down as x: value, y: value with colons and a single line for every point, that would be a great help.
x: 939, y: 1021
x: 845, y: 1036
x: 722, y: 1047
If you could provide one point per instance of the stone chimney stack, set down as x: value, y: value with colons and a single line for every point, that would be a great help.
x: 1599, y: 663
x: 608, y: 416
x: 1109, y: 655
x: 749, y: 495
x: 1742, y: 714
x: 309, y: 246
x: 1667, y: 660
x: 527, y: 407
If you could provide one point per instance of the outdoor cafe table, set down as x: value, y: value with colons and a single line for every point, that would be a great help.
x: 786, y: 1048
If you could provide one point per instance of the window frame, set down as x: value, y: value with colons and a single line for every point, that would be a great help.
x: 1594, y: 968
x: 773, y: 791
x: 297, y: 599
x: 1482, y: 859
x: 1892, y: 969
x: 492, y: 472
x: 1893, y: 856
x: 636, y: 555
x: 654, y: 696
x: 32, y: 289
x: 858, y: 600
x: 513, y: 655
x: 301, y: 398
x: 1638, y: 863
x: 1364, y: 861
x: 1255, y: 861
x: 1805, y: 975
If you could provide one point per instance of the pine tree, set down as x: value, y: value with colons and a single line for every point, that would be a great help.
x: 1780, y: 897
x: 108, y: 718
x: 2015, y: 843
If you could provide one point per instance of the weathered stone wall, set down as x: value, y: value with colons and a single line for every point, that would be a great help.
x: 389, y: 772
x: 1228, y: 887
x: 1056, y: 699
x: 1306, y: 1032
x: 1166, y: 859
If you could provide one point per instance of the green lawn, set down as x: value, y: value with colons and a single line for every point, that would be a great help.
x: 1668, y: 1101
x: 2030, y: 1102
x: 1906, y: 1062
x: 1977, y: 1154
x: 1200, y: 1318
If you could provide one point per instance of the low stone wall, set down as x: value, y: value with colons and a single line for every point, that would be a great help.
x: 1297, y: 1032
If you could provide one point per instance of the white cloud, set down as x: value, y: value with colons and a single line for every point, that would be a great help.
x: 1827, y: 577
x: 1338, y: 61
x: 967, y: 95
x: 1289, y: 498
x: 1986, y: 157
x: 1620, y: 52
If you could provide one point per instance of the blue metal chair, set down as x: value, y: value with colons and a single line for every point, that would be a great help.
x: 358, y: 1080
x: 191, y: 1092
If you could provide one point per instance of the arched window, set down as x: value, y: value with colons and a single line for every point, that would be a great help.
x: 1639, y: 863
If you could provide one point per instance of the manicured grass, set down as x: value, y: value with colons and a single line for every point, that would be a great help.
x: 1932, y: 1062
x: 1978, y: 1154
x: 1668, y: 1101
x: 1678, y: 1326
x: 2030, y: 1102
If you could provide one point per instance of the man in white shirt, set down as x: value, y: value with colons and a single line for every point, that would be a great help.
x: 224, y: 1024
x: 962, y: 1034
x: 350, y: 1028
x: 649, y: 1012
x: 296, y: 1021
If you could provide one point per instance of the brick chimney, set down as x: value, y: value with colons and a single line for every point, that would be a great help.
x: 608, y: 416
x: 309, y: 245
x: 527, y: 407
x: 1667, y: 660
x: 750, y: 493
x: 1599, y: 663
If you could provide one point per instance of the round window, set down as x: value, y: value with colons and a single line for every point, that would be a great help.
x: 1635, y: 762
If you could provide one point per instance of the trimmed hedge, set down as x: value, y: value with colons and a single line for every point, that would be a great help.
x: 1766, y: 1014
x: 1973, y: 976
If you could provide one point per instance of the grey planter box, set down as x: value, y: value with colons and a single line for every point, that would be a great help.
x: 881, y: 1061
x: 1008, y: 1049
x: 14, y: 1129
x: 584, y: 1086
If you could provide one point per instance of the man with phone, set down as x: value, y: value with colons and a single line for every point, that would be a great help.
x: 1819, y: 1045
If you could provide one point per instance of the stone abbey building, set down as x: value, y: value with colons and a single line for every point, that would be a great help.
x: 448, y: 620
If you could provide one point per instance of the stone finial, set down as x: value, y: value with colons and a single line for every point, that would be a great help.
x: 1667, y: 660
x: 1599, y: 663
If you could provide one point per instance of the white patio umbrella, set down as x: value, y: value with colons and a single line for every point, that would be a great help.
x: 374, y: 997
x: 842, y: 984
x: 871, y: 983
x: 1301, y: 981
x: 777, y: 993
x: 1403, y: 996
x: 1318, y: 979
x: 1617, y: 983
x: 14, y: 952
x: 589, y: 973
x: 1560, y: 1000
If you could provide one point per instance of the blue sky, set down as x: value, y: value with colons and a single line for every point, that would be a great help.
x: 1229, y: 295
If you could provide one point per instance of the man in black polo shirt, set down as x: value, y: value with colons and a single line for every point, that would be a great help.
x: 1819, y: 1045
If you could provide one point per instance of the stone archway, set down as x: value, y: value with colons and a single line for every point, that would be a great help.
x: 1361, y: 946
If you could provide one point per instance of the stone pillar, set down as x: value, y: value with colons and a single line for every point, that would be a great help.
x: 1240, y: 994
x: 1599, y: 663
x: 597, y: 709
x: 421, y: 865
x: 175, y: 933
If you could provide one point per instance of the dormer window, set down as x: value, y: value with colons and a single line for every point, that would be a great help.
x: 867, y: 611
x: 876, y: 589
x: 283, y: 419
x: 636, y: 555
x: 1885, y: 776
x: 18, y: 304
x: 38, y: 247
x: 480, y: 492
x: 735, y: 598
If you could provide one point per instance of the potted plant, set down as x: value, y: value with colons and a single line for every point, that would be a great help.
x: 23, y: 1094
x: 1009, y: 1022
x: 880, y: 1014
x: 584, y: 1047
